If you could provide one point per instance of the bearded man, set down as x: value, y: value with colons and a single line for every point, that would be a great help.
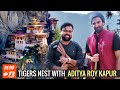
x: 65, y: 53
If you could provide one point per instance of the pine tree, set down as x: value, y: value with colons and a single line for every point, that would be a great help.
x: 57, y: 35
x: 109, y: 15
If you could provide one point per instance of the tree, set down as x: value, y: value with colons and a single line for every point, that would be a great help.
x: 107, y: 27
x: 109, y: 14
x: 57, y: 35
x: 118, y: 12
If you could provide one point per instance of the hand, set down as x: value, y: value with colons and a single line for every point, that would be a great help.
x: 95, y: 58
x: 63, y: 59
x: 64, y: 66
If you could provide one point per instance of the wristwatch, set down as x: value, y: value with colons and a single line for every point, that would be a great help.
x: 69, y: 59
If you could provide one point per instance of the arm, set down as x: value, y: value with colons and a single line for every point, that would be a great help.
x: 88, y: 56
x: 116, y: 48
x: 94, y: 58
x: 79, y: 58
x: 78, y: 61
x: 117, y: 54
x: 50, y: 58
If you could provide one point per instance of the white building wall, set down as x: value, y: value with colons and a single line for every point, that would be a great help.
x: 45, y: 41
x: 28, y: 31
x: 53, y: 28
x: 35, y: 31
x: 20, y: 46
x: 11, y: 55
x: 8, y: 55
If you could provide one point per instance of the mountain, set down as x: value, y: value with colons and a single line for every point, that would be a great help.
x: 81, y: 22
x: 12, y: 20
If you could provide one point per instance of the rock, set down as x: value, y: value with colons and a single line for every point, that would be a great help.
x: 12, y: 20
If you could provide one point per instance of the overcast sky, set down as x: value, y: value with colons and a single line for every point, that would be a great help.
x: 84, y: 12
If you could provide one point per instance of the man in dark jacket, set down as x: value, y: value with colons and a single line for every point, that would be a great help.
x: 55, y: 60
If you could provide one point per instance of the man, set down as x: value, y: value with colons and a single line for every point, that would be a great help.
x: 103, y: 46
x: 74, y: 55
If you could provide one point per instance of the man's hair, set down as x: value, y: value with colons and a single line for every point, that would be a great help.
x: 97, y: 14
x: 66, y: 24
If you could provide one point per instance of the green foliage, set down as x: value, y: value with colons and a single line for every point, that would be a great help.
x: 28, y: 53
x: 57, y: 35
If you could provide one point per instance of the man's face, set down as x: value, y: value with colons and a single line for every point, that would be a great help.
x: 97, y: 24
x: 66, y: 33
